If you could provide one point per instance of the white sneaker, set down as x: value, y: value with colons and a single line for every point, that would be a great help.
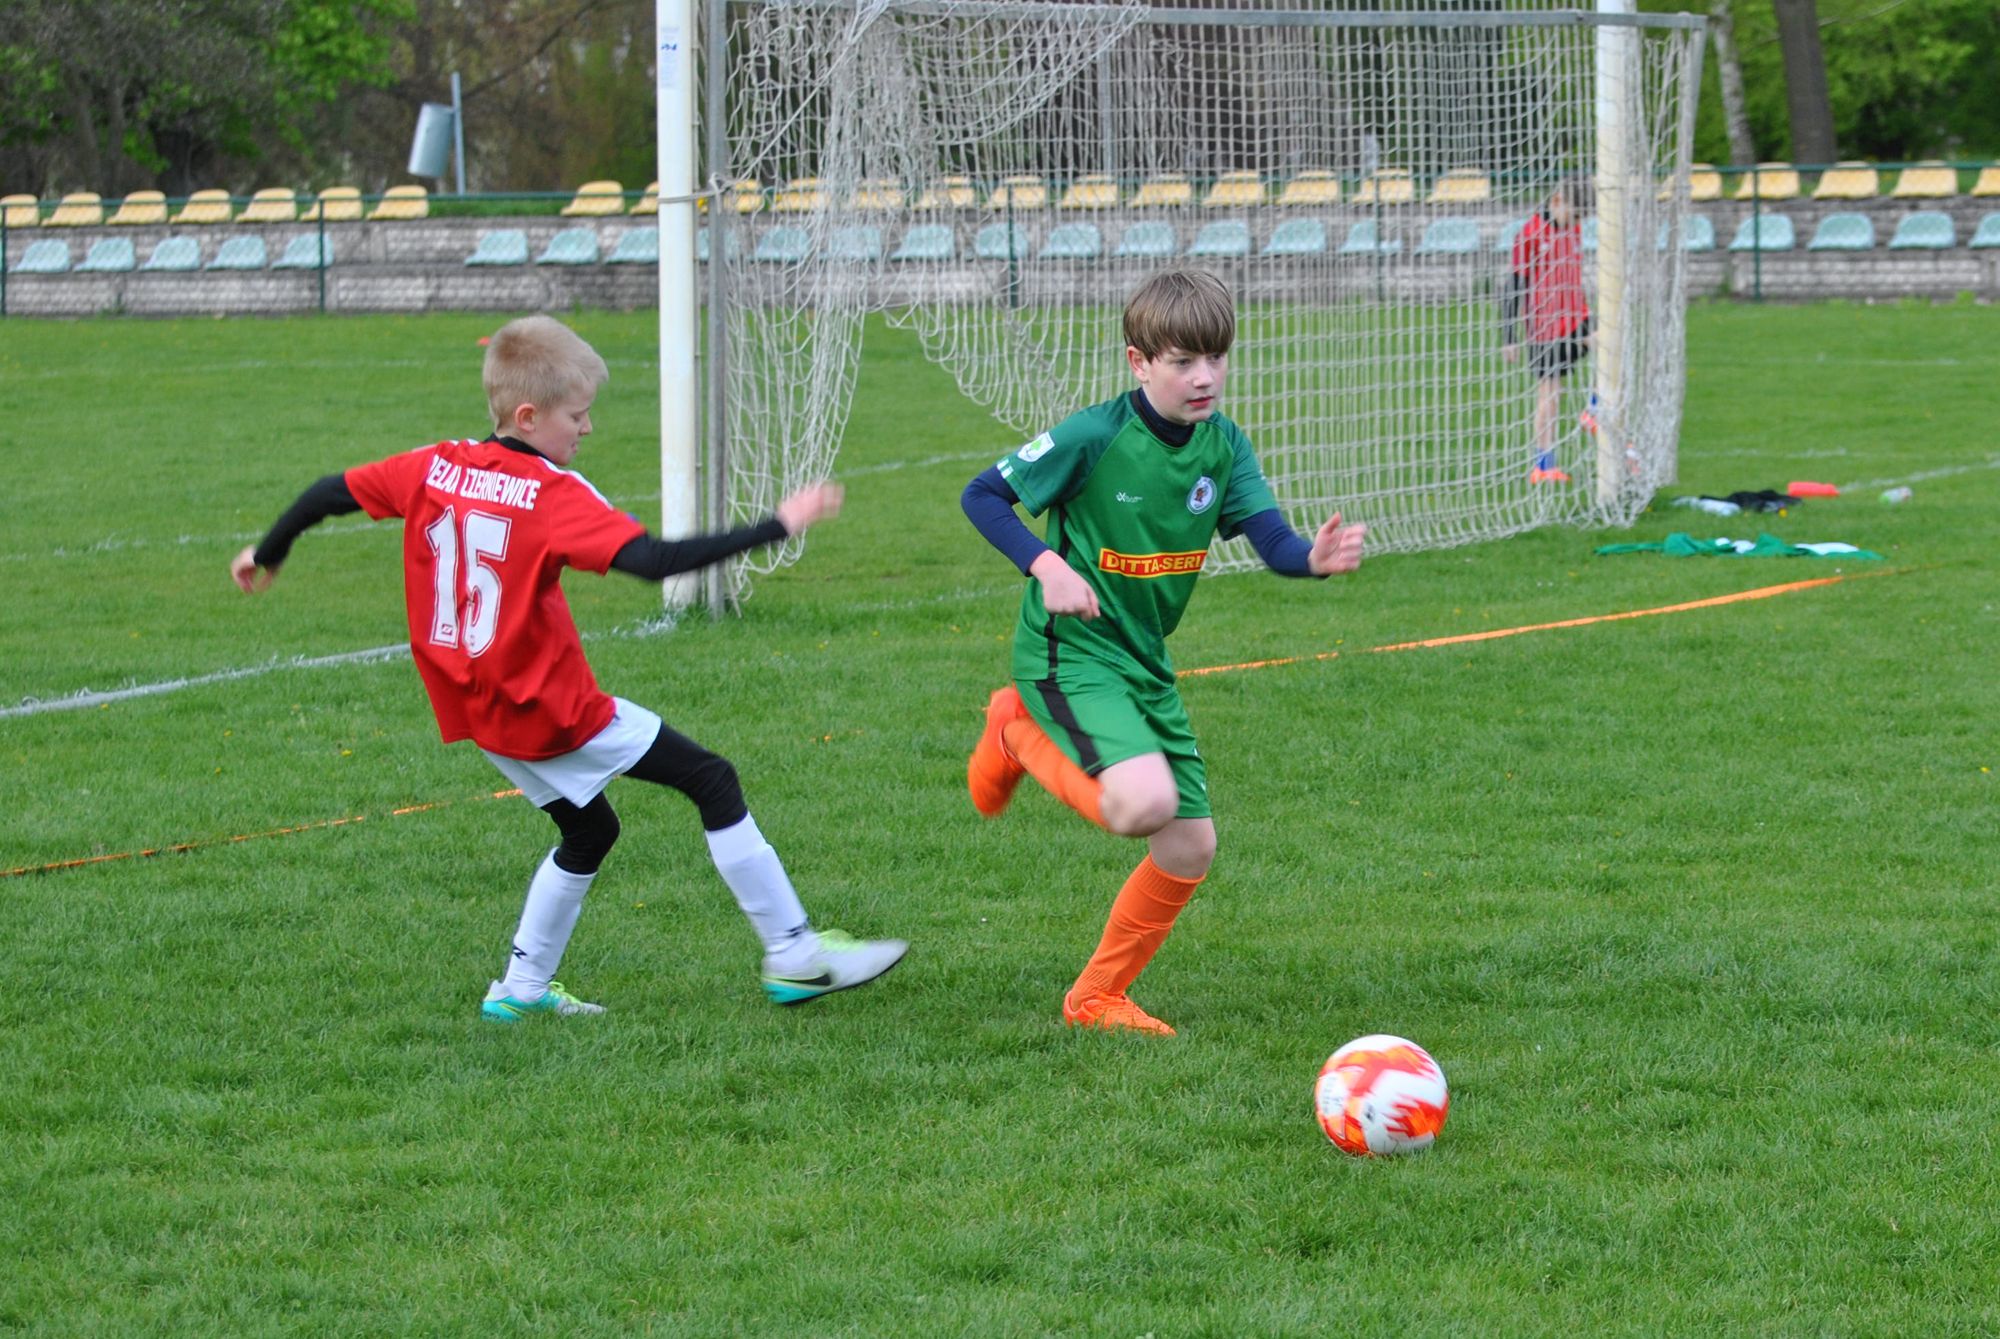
x: 842, y: 962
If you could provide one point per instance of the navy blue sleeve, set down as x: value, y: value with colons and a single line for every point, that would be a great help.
x: 988, y: 502
x: 1282, y: 548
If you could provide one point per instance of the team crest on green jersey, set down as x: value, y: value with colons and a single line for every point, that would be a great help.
x: 1202, y: 496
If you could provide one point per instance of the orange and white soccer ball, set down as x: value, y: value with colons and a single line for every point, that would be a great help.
x: 1380, y: 1094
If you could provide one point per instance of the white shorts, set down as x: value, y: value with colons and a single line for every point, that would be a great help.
x: 581, y: 775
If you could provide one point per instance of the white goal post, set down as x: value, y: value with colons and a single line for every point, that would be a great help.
x: 997, y: 175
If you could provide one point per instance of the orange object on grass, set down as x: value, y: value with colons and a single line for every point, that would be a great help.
x: 1806, y: 488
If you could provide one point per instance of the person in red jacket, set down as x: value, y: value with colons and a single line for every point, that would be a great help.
x: 1546, y: 309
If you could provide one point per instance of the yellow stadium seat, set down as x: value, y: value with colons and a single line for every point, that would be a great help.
x: 402, y: 202
x: 1169, y: 191
x: 1926, y: 181
x: 1387, y: 186
x: 1235, y: 190
x: 205, y: 207
x: 1988, y: 182
x: 20, y: 211
x: 275, y: 204
x: 1848, y: 181
x: 800, y: 195
x: 79, y: 209
x: 948, y: 193
x: 594, y: 199
x: 877, y: 193
x: 1769, y: 181
x: 1019, y: 193
x: 1462, y: 186
x: 140, y: 207
x: 1311, y: 188
x: 337, y: 204
x: 1704, y: 184
x: 1096, y: 191
x: 745, y: 197
x: 649, y: 201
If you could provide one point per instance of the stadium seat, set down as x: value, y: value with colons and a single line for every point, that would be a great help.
x: 109, y: 255
x: 1764, y: 232
x: 305, y: 253
x: 596, y: 199
x: 1019, y: 193
x: 1988, y: 181
x: 1704, y: 184
x: 1848, y: 181
x: 800, y: 195
x: 20, y: 211
x: 948, y: 193
x: 500, y: 246
x: 1150, y: 240
x: 174, y: 255
x: 1364, y: 240
x: 79, y: 209
x: 1927, y: 230
x: 1843, y: 232
x: 1167, y: 192
x: 1311, y: 188
x: 1072, y: 241
x: 47, y: 256
x: 1587, y: 234
x: 877, y: 193
x: 140, y: 207
x: 239, y: 253
x: 926, y: 241
x: 1297, y: 237
x: 1387, y: 186
x: 859, y: 243
x: 1925, y: 181
x: 784, y: 245
x: 403, y: 202
x: 1097, y: 191
x: 1987, y: 234
x: 701, y: 244
x: 638, y: 246
x: 649, y: 203
x: 273, y: 204
x: 745, y: 197
x: 1224, y: 237
x: 1769, y: 181
x: 1235, y: 190
x: 1450, y: 237
x: 1462, y: 186
x: 571, y: 246
x: 1700, y: 234
x: 337, y: 204
x: 1001, y: 241
x: 1504, y: 243
x: 205, y: 207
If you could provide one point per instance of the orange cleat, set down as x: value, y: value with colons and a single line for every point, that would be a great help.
x: 1112, y: 1013
x: 1539, y: 475
x: 992, y: 772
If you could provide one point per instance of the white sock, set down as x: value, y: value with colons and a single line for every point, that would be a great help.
x: 758, y: 880
x: 555, y: 899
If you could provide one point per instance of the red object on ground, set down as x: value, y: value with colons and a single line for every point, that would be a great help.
x: 1801, y: 488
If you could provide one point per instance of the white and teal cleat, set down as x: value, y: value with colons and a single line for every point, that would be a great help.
x: 841, y: 963
x: 500, y: 1007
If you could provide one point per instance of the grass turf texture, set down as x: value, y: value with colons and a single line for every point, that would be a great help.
x: 1697, y: 911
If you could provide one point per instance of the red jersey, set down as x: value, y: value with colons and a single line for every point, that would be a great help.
x: 1550, y: 261
x: 486, y: 533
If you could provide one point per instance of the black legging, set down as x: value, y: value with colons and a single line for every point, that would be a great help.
x: 589, y: 832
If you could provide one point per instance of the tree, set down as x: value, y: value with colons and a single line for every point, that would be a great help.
x: 1805, y: 80
x: 1729, y: 78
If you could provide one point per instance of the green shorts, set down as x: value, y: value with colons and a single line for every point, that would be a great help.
x: 1098, y: 718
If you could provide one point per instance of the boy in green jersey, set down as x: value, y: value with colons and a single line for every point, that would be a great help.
x: 1135, y: 488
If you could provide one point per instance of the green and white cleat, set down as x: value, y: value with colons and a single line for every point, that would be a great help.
x: 500, y: 1007
x: 841, y: 963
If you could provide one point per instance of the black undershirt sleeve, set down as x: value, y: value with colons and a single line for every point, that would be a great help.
x: 327, y: 497
x: 651, y: 558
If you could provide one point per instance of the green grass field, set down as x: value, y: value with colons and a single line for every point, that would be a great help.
x: 1697, y: 911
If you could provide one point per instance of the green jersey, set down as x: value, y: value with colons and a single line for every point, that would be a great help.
x: 1134, y: 516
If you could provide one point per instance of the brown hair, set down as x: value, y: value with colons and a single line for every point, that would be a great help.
x: 540, y: 361
x: 1183, y: 309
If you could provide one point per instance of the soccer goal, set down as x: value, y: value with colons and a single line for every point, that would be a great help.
x: 997, y: 175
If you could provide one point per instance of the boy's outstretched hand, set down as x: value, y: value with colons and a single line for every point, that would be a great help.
x: 252, y: 578
x: 1337, y: 547
x: 813, y: 503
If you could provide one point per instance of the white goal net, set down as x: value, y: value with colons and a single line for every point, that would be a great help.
x: 998, y: 175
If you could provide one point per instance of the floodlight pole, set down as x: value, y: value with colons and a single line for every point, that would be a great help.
x: 679, y: 399
x: 1616, y: 69
x: 458, y: 130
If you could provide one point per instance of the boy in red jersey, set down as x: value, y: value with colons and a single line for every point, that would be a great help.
x: 1545, y: 294
x: 488, y: 527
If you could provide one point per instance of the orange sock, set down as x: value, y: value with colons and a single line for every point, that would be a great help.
x: 1047, y: 763
x: 1141, y: 915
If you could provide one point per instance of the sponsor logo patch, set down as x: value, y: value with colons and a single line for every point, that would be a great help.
x: 1036, y: 449
x: 1147, y: 565
x: 1202, y: 496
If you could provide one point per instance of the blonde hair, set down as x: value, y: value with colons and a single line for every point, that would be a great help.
x: 540, y: 361
x: 1184, y: 309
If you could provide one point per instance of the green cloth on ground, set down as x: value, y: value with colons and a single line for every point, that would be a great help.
x: 1683, y: 545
